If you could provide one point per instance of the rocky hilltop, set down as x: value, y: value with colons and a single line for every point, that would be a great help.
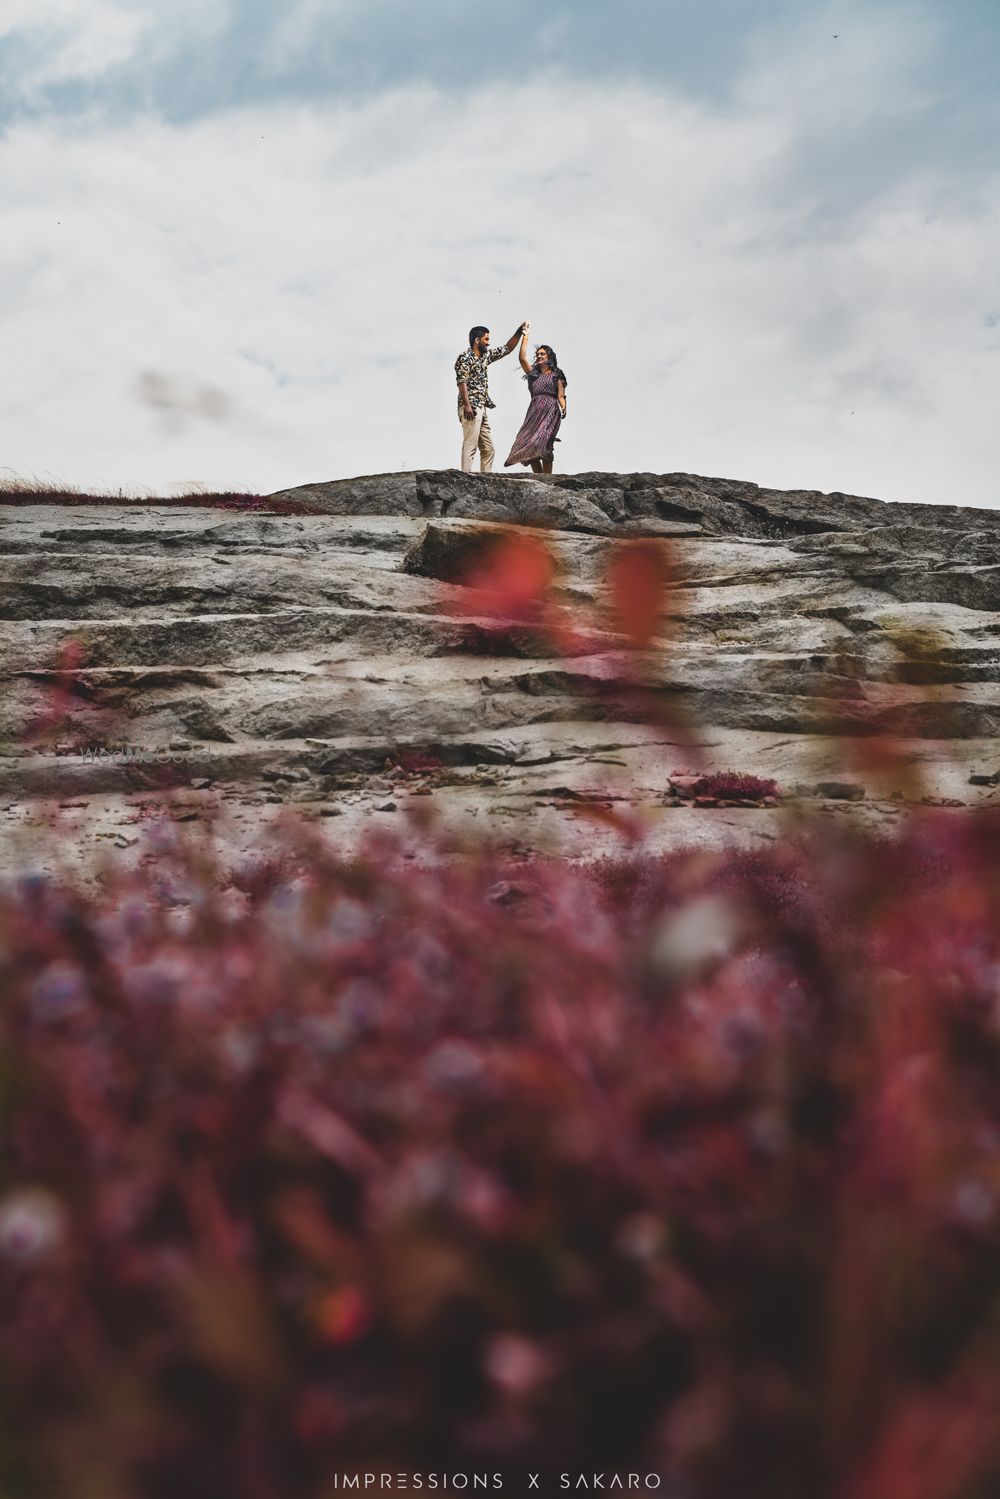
x: 300, y: 656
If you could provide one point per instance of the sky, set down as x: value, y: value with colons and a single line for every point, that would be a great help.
x: 244, y: 240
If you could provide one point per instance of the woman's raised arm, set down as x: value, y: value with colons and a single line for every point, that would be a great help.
x: 522, y: 352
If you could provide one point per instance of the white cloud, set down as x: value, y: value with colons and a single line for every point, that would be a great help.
x: 320, y: 267
x: 71, y: 40
x: 841, y: 61
x: 295, y: 33
x: 33, y: 15
x: 82, y: 41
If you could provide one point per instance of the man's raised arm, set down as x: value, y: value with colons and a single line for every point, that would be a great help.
x: 512, y: 343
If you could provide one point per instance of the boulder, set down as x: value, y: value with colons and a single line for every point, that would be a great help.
x: 452, y: 551
x: 370, y: 494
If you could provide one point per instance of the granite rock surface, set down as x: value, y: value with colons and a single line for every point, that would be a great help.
x: 296, y: 655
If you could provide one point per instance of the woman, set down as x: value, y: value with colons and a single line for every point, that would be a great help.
x: 547, y: 387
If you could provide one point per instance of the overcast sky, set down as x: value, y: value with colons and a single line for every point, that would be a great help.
x: 243, y: 240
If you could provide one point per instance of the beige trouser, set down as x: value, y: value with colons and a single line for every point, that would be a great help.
x: 476, y: 434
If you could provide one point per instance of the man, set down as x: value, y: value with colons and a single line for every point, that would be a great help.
x: 474, y: 395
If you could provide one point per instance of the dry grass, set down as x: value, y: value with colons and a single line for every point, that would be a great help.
x: 19, y: 491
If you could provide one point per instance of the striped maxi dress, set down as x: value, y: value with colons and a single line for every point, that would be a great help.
x: 542, y: 422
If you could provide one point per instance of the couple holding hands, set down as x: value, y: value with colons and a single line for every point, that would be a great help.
x: 546, y: 409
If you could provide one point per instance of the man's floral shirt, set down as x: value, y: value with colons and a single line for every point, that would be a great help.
x: 472, y: 369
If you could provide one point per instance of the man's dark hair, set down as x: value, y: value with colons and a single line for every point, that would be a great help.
x: 475, y: 333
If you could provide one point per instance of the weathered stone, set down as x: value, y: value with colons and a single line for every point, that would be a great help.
x: 371, y: 494
x: 546, y: 508
x: 302, y: 650
x: 454, y: 552
x: 839, y: 791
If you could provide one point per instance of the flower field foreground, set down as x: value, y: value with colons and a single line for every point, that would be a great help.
x: 686, y: 1166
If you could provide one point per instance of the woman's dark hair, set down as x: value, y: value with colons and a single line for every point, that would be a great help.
x: 553, y: 364
x: 475, y: 333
